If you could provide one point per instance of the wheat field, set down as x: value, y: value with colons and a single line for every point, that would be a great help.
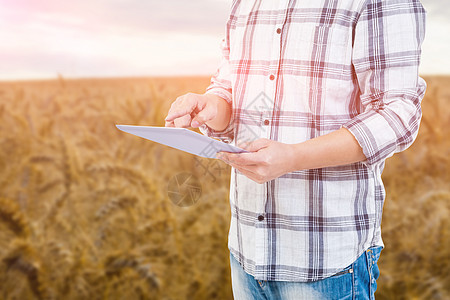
x: 85, y: 214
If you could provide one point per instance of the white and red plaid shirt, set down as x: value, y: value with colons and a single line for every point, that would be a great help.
x: 296, y: 70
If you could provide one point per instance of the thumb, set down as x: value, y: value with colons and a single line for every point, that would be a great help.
x: 255, y: 145
x: 206, y: 114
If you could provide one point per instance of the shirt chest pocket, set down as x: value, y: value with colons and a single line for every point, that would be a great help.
x: 322, y: 51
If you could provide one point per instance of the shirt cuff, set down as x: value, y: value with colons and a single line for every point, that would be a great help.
x: 226, y: 135
x: 374, y: 136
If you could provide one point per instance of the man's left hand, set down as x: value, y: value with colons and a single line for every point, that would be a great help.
x: 266, y: 160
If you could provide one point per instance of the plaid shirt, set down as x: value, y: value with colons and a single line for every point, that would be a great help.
x: 296, y: 70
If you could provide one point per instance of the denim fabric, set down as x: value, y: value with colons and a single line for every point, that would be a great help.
x: 357, y: 281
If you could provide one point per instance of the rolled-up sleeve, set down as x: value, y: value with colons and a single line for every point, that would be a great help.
x: 386, y: 55
x: 221, y: 86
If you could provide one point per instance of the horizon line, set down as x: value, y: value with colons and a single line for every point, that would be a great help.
x: 69, y: 78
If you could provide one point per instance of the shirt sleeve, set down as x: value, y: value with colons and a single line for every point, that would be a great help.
x: 221, y: 86
x: 386, y: 56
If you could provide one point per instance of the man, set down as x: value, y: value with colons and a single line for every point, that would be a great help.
x: 321, y: 92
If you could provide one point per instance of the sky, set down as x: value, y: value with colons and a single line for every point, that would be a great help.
x: 118, y: 38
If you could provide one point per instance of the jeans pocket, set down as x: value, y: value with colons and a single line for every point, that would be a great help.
x: 344, y: 271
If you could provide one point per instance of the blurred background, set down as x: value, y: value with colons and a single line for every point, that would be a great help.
x: 84, y: 208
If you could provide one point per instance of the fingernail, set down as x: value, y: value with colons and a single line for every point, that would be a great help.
x: 195, y: 124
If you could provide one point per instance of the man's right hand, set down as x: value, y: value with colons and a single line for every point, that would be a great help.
x: 194, y: 110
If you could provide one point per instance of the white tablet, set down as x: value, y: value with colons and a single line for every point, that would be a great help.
x: 182, y: 139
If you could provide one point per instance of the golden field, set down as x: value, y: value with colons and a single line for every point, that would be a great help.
x: 84, y: 211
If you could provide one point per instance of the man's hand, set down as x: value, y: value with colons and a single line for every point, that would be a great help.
x: 268, y: 159
x: 194, y: 110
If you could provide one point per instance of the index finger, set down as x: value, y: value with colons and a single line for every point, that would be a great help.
x: 181, y: 108
x: 169, y: 124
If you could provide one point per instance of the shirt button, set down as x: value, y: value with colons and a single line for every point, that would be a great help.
x: 272, y: 77
x: 260, y: 217
x: 266, y: 122
x: 278, y: 30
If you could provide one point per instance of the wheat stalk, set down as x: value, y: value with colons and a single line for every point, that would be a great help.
x: 115, y: 204
x: 22, y: 258
x: 11, y: 214
x: 116, y: 263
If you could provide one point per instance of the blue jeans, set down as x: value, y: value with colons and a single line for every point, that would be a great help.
x: 357, y: 281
